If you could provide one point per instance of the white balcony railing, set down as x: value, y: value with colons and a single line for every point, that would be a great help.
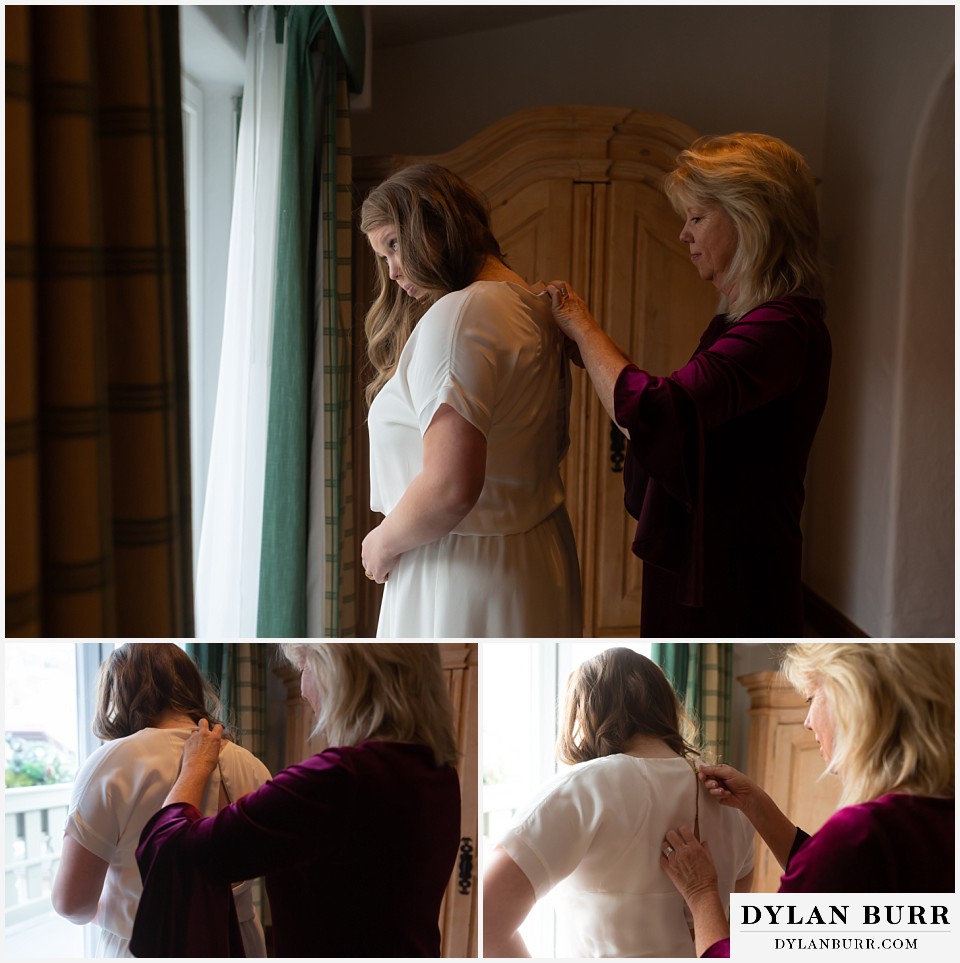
x: 34, y: 819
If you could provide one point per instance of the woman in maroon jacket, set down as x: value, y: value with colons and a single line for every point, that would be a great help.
x: 718, y: 450
x: 357, y: 843
x: 883, y: 716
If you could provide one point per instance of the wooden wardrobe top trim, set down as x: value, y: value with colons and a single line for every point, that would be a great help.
x: 585, y: 144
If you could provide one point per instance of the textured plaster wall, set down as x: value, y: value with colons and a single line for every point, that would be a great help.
x: 879, y: 467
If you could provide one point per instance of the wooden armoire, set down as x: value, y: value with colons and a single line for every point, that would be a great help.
x: 784, y: 759
x: 575, y: 194
x: 459, y: 914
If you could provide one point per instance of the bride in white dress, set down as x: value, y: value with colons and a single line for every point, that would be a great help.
x: 469, y: 408
x: 591, y: 838
x: 150, y: 697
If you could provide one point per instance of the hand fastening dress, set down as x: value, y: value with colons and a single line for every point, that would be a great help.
x: 118, y: 789
x: 593, y: 835
x: 509, y: 569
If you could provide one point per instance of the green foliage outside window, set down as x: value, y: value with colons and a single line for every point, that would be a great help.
x: 36, y: 763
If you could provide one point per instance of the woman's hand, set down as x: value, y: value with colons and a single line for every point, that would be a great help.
x: 569, y: 310
x: 729, y: 786
x: 592, y: 347
x: 688, y: 863
x: 201, y: 755
x: 690, y: 868
x: 378, y: 563
x: 201, y: 752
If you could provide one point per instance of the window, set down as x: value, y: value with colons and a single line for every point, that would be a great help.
x: 213, y: 47
x: 49, y: 694
x: 523, y: 684
x: 41, y: 755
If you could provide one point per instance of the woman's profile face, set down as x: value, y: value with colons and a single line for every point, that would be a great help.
x: 820, y: 721
x: 711, y: 236
x: 385, y: 245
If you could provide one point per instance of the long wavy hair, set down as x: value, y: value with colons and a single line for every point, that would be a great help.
x: 444, y: 237
x: 614, y: 696
x: 768, y: 191
x: 140, y: 682
x: 393, y: 691
x: 893, y: 710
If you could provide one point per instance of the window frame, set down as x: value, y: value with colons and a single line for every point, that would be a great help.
x: 554, y: 663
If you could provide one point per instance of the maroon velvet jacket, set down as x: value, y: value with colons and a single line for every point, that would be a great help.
x: 357, y: 845
x: 715, y: 469
x: 895, y: 844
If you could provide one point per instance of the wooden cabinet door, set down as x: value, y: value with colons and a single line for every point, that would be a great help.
x: 459, y: 914
x: 783, y: 758
x: 653, y: 304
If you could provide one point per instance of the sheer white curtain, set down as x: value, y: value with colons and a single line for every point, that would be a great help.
x: 228, y: 566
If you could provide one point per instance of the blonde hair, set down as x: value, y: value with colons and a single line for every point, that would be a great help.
x: 444, y: 237
x: 614, y: 696
x: 390, y: 691
x: 893, y: 711
x: 767, y: 190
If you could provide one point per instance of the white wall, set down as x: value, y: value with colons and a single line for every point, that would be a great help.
x: 890, y: 413
x: 715, y: 68
x: 748, y: 657
x: 851, y: 88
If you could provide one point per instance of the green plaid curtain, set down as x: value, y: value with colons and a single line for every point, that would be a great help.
x: 98, y: 539
x: 701, y: 672
x: 238, y: 670
x: 337, y: 618
x: 310, y: 226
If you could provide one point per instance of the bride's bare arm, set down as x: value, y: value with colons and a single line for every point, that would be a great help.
x: 508, y: 898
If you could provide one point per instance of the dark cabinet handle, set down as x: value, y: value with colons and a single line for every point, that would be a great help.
x: 466, y: 866
x: 618, y: 448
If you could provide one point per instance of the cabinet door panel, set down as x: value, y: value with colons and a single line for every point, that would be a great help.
x: 534, y: 226
x: 654, y: 306
x: 784, y: 759
x: 460, y: 911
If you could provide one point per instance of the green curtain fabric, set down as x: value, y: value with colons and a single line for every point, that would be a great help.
x: 336, y: 178
x: 281, y: 610
x: 238, y: 670
x: 702, y: 674
x: 314, y: 209
x: 350, y: 32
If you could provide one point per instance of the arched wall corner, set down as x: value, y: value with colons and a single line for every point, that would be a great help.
x: 921, y: 561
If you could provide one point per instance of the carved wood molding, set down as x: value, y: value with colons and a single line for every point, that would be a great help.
x: 583, y: 144
x: 770, y: 691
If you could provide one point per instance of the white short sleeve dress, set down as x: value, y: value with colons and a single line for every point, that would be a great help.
x: 594, y: 835
x: 118, y: 789
x: 509, y: 569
